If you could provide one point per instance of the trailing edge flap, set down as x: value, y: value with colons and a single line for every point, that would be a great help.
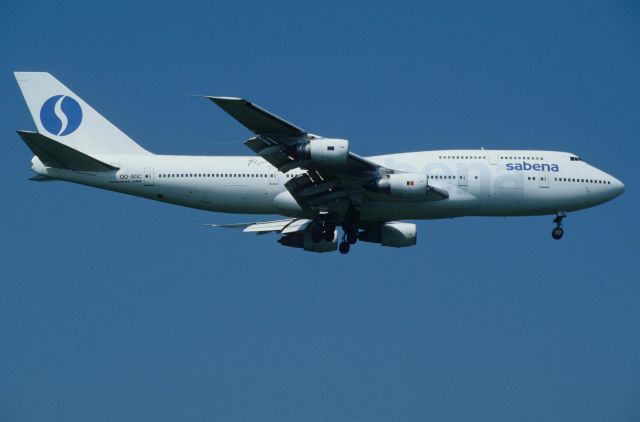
x: 256, y: 119
x: 55, y: 154
x: 280, y: 226
x: 39, y: 178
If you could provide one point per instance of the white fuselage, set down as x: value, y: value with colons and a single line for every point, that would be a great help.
x: 479, y: 183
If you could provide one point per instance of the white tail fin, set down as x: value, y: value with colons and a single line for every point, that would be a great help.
x: 64, y: 117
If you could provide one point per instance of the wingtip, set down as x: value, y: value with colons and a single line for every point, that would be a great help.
x: 215, y: 97
x: 219, y: 100
x: 227, y: 98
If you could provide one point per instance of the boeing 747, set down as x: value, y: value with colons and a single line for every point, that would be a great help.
x: 317, y: 184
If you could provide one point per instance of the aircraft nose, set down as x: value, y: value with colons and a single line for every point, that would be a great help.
x: 617, y: 187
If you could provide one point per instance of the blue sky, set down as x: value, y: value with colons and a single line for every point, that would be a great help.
x: 117, y: 308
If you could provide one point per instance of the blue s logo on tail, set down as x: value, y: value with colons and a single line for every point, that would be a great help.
x: 61, y: 115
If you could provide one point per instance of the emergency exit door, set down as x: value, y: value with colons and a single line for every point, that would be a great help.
x: 463, y: 178
x: 148, y: 176
x: 544, y: 179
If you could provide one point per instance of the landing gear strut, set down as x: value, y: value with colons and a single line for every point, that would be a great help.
x: 557, y: 231
x: 350, y: 230
x: 350, y: 237
x: 322, y: 230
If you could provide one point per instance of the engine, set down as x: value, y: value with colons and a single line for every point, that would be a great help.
x: 405, y: 185
x: 394, y: 233
x: 325, y: 151
x: 303, y: 240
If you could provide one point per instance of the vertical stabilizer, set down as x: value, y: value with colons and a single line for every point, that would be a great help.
x: 64, y: 117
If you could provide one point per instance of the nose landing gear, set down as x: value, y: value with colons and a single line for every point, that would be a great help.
x: 557, y: 231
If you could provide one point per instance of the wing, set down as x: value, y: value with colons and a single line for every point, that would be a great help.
x: 279, y: 142
x: 286, y: 226
x: 256, y: 119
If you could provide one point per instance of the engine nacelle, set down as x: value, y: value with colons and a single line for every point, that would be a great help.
x: 394, y: 233
x: 405, y: 185
x: 325, y: 151
x: 303, y: 240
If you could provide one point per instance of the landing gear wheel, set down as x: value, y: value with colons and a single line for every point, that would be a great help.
x: 328, y: 234
x: 557, y: 233
x: 343, y: 248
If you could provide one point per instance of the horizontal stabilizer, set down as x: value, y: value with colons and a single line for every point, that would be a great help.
x: 55, y: 154
x: 256, y: 119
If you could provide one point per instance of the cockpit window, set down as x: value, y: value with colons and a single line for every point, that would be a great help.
x: 573, y: 158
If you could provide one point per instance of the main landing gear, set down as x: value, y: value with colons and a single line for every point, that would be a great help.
x: 324, y: 230
x: 349, y: 230
x: 557, y: 231
x: 349, y: 237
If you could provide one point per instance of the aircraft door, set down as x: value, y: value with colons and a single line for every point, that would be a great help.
x: 463, y: 178
x: 492, y: 157
x: 148, y: 176
x: 544, y: 179
x: 475, y: 186
x: 273, y: 176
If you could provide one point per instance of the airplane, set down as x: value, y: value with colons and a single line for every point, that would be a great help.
x: 317, y: 184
